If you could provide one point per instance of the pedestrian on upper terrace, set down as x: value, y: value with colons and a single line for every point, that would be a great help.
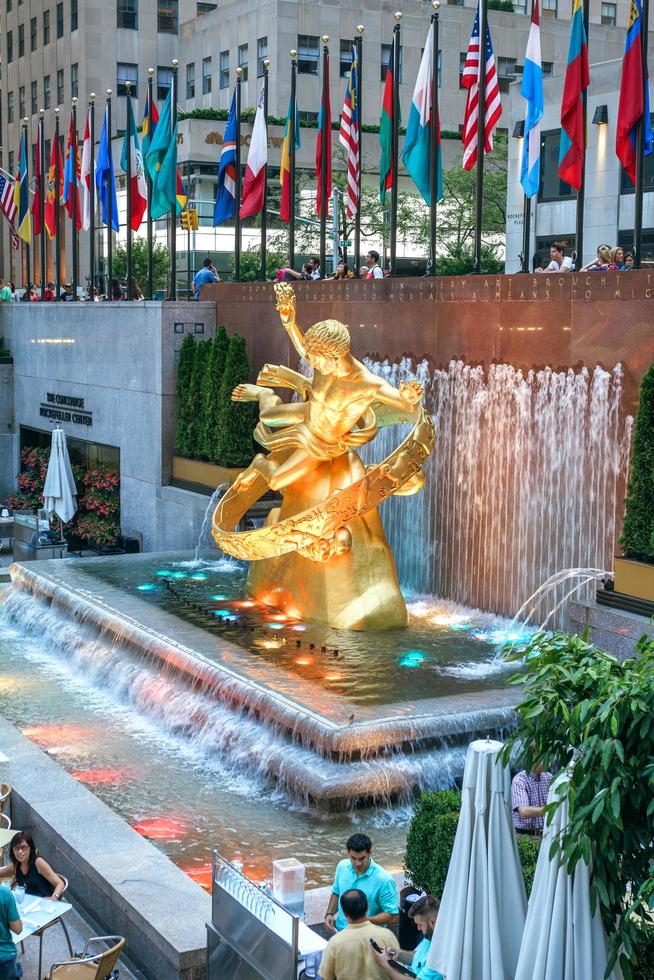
x: 49, y: 294
x: 136, y: 290
x: 116, y: 291
x: 363, y: 272
x: 559, y: 261
x: 33, y: 294
x: 375, y: 271
x: 602, y: 261
x: 15, y: 298
x: 359, y: 871
x: 5, y: 293
x: 312, y: 271
x: 67, y: 295
x: 628, y: 261
x: 204, y: 277
x: 617, y: 259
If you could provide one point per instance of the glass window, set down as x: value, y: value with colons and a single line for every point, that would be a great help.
x: 548, y: 67
x: 21, y: 40
x: 74, y: 81
x: 164, y: 81
x: 46, y: 91
x: 73, y: 15
x: 385, y: 55
x: 506, y: 72
x: 541, y: 256
x: 205, y: 8
x: 224, y: 69
x: 60, y: 20
x: 262, y: 55
x: 46, y: 27
x: 308, y: 117
x: 462, y: 61
x: 308, y: 54
x: 345, y: 59
x: 167, y: 11
x: 243, y: 61
x: 126, y: 72
x: 10, y: 161
x: 60, y: 86
x: 33, y: 41
x: 10, y: 47
x: 9, y: 6
x: 520, y: 6
x: 190, y: 81
x: 34, y: 97
x: 206, y: 76
x: 10, y: 108
x: 128, y: 15
x: 549, y: 8
x: 609, y: 13
x: 552, y: 188
x: 21, y: 102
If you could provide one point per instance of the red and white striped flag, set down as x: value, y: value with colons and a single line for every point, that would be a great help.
x: 254, y: 182
x: 493, y: 107
x: 85, y: 174
x: 349, y: 138
x: 8, y: 206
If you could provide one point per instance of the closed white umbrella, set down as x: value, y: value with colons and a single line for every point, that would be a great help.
x: 561, y: 940
x: 59, y: 491
x: 483, y: 907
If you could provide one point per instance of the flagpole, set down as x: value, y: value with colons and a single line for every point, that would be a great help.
x: 173, y: 210
x: 326, y: 135
x: 27, y: 174
x: 581, y: 193
x: 42, y: 201
x: 358, y: 41
x: 481, y: 134
x: 128, y: 86
x: 395, y: 139
x: 189, y: 278
x: 73, y: 150
x: 110, y: 203
x: 292, y: 136
x: 237, y: 214
x: 526, y: 209
x: 640, y: 141
x: 434, y: 144
x: 148, y: 180
x: 57, y: 217
x: 264, y: 216
x: 92, y: 194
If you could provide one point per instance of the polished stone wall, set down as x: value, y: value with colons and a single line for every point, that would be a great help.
x: 7, y: 475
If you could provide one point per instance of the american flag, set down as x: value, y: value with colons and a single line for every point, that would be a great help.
x: 470, y: 80
x: 8, y: 206
x: 349, y: 138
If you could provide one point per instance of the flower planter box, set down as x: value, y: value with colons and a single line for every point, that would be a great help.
x: 635, y: 578
x: 203, y: 474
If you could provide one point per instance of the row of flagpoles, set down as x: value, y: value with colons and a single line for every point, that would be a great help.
x: 155, y: 188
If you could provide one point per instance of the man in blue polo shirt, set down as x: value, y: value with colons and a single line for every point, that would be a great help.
x: 9, y: 922
x: 206, y: 275
x: 358, y: 870
x: 424, y: 913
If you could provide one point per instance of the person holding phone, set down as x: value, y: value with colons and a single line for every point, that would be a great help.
x: 10, y: 921
x: 349, y: 954
x: 424, y: 913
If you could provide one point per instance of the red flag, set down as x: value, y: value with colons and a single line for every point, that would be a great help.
x: 72, y: 171
x: 324, y: 137
x: 36, y: 203
x: 634, y: 98
x: 52, y: 192
x: 254, y: 183
x: 572, y: 147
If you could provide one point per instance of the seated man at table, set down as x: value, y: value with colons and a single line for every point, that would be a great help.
x: 348, y: 954
x: 9, y: 922
x: 358, y: 870
x: 424, y: 913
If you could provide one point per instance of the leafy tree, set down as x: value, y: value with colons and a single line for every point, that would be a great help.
x: 236, y: 420
x: 586, y: 705
x: 638, y: 530
x: 211, y: 407
x: 184, y: 408
x: 462, y: 263
x: 196, y: 396
x: 160, y: 263
x: 251, y: 263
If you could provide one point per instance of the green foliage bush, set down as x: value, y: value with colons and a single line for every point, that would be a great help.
x: 184, y: 409
x: 213, y: 381
x: 236, y: 420
x: 251, y: 262
x: 195, y: 395
x: 505, y: 5
x: 431, y: 838
x: 638, y: 529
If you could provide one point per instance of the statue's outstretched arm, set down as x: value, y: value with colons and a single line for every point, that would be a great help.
x: 405, y: 398
x: 286, y: 308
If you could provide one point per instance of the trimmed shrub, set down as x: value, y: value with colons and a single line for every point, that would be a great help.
x: 528, y: 848
x: 236, y: 420
x: 211, y: 408
x: 643, y: 968
x: 638, y: 530
x: 195, y: 404
x: 184, y: 373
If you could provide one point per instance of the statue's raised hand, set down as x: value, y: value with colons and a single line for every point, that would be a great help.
x: 285, y: 302
x: 410, y: 392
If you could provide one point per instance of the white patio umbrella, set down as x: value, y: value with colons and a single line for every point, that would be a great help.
x: 59, y: 491
x: 483, y: 907
x: 561, y: 940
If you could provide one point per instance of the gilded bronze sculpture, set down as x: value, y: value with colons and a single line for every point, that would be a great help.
x: 323, y: 555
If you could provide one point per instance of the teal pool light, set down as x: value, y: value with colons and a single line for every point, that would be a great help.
x: 148, y: 587
x: 412, y: 659
x: 200, y: 577
x: 217, y: 598
x: 222, y: 612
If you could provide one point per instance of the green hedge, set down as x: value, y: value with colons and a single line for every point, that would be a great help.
x: 638, y: 530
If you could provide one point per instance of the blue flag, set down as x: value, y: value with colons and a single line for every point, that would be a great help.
x: 531, y: 89
x: 104, y: 179
x: 225, y: 207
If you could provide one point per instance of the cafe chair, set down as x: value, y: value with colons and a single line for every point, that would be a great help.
x: 60, y: 922
x: 90, y: 965
x: 5, y: 821
x: 5, y: 794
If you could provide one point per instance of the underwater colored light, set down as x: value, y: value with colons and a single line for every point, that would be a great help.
x: 304, y: 661
x: 222, y: 612
x: 460, y: 626
x: 163, y: 828
x: 164, y: 573
x: 200, y: 577
x: 279, y: 617
x: 245, y: 603
x: 275, y: 626
x: 412, y: 659
x: 147, y: 587
x: 333, y: 676
x: 217, y: 598
x: 299, y: 628
x: 178, y: 575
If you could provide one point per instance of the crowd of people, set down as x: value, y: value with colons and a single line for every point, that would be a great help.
x: 35, y: 294
x: 608, y: 259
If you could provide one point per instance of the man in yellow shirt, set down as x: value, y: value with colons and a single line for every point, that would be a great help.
x: 348, y: 954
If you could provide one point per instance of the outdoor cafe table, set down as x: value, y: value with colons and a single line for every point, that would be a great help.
x: 6, y: 835
x: 36, y: 913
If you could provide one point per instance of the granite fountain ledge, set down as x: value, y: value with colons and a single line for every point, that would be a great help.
x: 124, y: 883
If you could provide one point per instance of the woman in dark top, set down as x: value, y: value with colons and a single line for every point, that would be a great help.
x: 30, y: 869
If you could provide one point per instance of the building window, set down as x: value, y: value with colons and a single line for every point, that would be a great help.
x: 164, y: 82
x: 205, y: 8
x: 262, y: 55
x: 21, y: 102
x: 128, y: 15
x: 242, y: 61
x: 10, y: 107
x: 9, y: 6
x: 33, y: 41
x: 455, y: 3
x: 542, y: 254
x: 549, y: 8
x: 308, y: 117
x: 385, y: 55
x: 10, y: 47
x: 46, y: 27
x: 34, y: 97
x: 21, y: 40
x: 73, y: 15
x: 190, y: 81
x: 506, y: 72
x: 46, y: 91
x: 206, y: 76
x: 609, y: 13
x: 345, y: 59
x: 60, y: 20
x: 547, y: 67
x: 519, y: 6
x: 126, y: 73
x: 224, y: 69
x: 308, y: 54
x: 167, y: 16
x: 74, y: 81
x: 60, y: 86
x: 10, y: 161
x: 552, y: 188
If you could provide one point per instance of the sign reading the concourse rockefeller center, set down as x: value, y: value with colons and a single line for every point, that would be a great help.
x: 65, y: 408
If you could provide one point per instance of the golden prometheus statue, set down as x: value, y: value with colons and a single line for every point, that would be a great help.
x: 323, y: 555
